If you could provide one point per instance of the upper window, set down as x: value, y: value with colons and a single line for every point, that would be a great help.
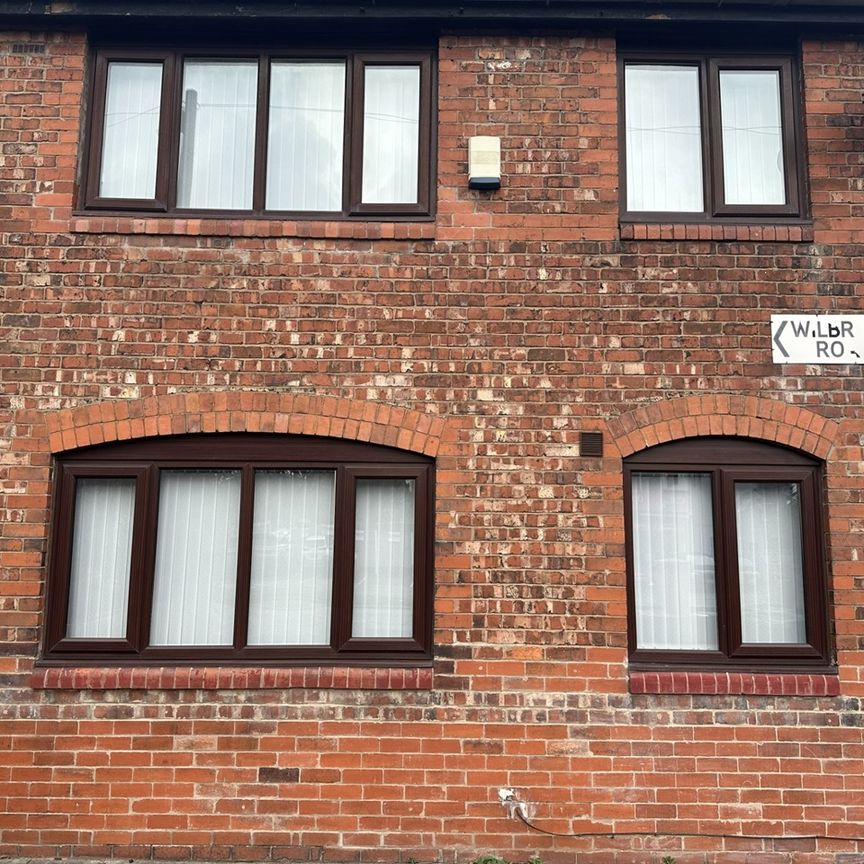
x: 708, y: 137
x: 725, y: 555
x: 241, y: 548
x: 315, y: 135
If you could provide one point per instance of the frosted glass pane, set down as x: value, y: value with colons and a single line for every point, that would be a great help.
x: 752, y: 137
x: 664, y: 138
x: 131, y: 135
x: 101, y: 558
x: 196, y: 558
x: 384, y: 559
x: 673, y: 561
x: 770, y: 562
x: 217, y: 135
x: 304, y: 149
x: 292, y: 558
x: 391, y: 134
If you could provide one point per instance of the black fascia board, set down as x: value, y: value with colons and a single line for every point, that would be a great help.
x: 833, y: 15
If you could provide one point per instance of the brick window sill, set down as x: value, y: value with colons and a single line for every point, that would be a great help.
x: 229, y: 678
x: 777, y: 233
x: 737, y: 683
x: 164, y: 225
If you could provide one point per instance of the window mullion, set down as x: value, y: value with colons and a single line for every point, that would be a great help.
x: 262, y: 120
x: 712, y: 149
x: 343, y: 558
x: 138, y: 575
x: 244, y: 558
x: 172, y: 144
x: 166, y: 125
x: 352, y: 171
x: 725, y: 564
x: 147, y: 559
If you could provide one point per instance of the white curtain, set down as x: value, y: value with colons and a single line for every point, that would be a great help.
x: 131, y: 135
x: 673, y: 561
x: 101, y: 558
x: 292, y: 558
x: 305, y: 139
x: 196, y: 558
x: 391, y: 134
x: 664, y: 138
x: 752, y: 137
x: 384, y: 559
x: 770, y: 565
x: 217, y: 135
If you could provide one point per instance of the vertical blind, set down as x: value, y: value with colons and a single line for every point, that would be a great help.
x: 101, y: 558
x: 673, y: 561
x: 305, y: 139
x: 131, y: 132
x: 196, y: 558
x: 384, y: 559
x: 753, y: 170
x: 292, y: 558
x: 217, y: 134
x: 391, y: 134
x: 770, y: 562
x: 663, y: 138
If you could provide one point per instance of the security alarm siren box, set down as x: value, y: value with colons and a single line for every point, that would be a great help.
x: 484, y: 162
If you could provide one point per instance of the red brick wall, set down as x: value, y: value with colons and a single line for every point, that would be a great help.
x: 489, y: 339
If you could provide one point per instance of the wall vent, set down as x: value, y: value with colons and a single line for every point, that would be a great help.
x: 590, y: 443
x: 28, y: 48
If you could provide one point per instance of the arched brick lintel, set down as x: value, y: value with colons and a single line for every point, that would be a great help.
x: 744, y: 416
x: 241, y: 411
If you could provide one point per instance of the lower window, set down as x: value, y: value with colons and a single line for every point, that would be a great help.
x: 241, y: 548
x: 725, y: 555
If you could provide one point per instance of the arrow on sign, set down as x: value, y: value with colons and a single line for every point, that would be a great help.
x: 777, y: 341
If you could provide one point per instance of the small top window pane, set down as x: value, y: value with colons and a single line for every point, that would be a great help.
x: 753, y: 170
x: 391, y: 134
x: 130, y: 138
x: 664, y: 139
x: 306, y: 136
x: 217, y: 135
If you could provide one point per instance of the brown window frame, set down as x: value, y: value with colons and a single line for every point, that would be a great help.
x: 165, y: 198
x: 728, y: 460
x: 715, y: 208
x: 143, y: 460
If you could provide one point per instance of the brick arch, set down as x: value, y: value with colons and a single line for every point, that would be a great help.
x: 225, y: 411
x: 744, y: 416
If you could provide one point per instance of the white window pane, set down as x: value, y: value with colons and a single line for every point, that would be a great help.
x: 196, y: 558
x: 664, y: 138
x: 384, y: 559
x: 307, y: 126
x: 752, y: 137
x: 217, y: 135
x: 131, y: 135
x: 673, y: 561
x: 101, y: 558
x: 770, y: 562
x: 391, y: 134
x: 292, y: 558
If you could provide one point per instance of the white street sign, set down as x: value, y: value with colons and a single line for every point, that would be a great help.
x: 817, y: 338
